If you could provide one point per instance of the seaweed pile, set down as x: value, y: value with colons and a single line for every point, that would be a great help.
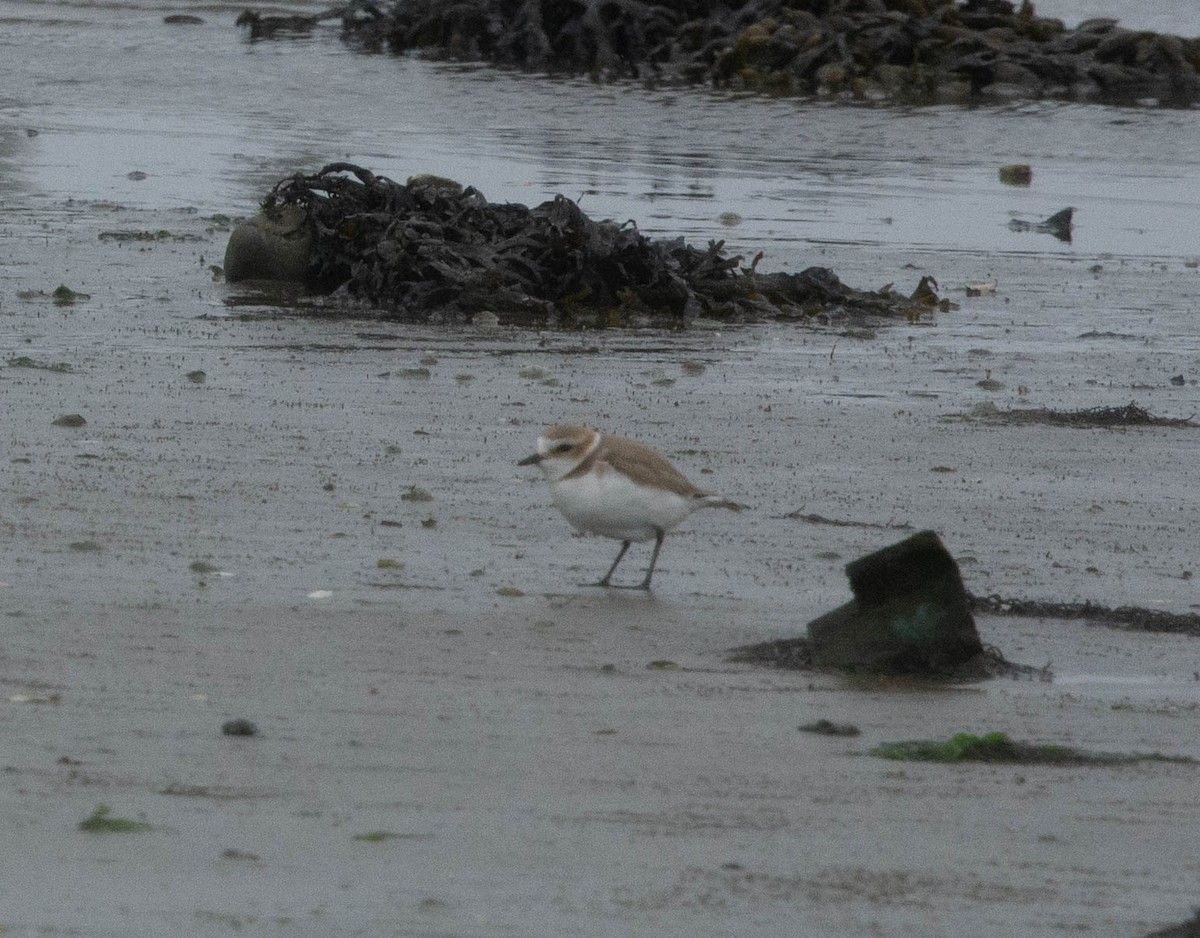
x: 912, y: 51
x: 431, y: 247
x: 1128, y: 415
x: 796, y: 654
x: 1126, y: 617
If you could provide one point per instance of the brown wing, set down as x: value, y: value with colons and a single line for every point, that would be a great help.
x: 643, y: 465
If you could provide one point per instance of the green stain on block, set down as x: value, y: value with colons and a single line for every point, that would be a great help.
x: 920, y: 626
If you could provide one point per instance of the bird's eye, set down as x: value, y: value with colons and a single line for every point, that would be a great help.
x: 562, y: 447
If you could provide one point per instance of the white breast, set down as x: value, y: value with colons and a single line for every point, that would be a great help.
x: 609, y: 504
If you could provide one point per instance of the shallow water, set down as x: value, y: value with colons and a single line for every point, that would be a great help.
x: 94, y: 94
x: 1177, y: 17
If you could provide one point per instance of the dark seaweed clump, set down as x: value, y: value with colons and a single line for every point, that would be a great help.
x: 1133, y: 618
x: 913, y: 51
x: 795, y: 654
x: 431, y: 247
x: 1128, y: 415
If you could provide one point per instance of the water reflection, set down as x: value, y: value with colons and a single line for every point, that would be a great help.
x: 213, y: 121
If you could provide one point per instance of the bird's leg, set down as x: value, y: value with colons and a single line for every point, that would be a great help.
x: 613, y: 568
x: 658, y: 542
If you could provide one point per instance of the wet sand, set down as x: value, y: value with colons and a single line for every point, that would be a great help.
x: 241, y: 546
x: 204, y: 551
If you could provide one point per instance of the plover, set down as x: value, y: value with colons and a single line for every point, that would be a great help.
x: 617, y: 488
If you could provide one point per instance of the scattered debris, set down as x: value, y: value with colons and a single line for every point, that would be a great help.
x: 69, y: 420
x: 239, y: 727
x: 127, y: 237
x: 841, y: 523
x: 997, y: 747
x: 1059, y: 224
x: 35, y: 698
x: 792, y: 654
x: 62, y: 296
x: 197, y: 376
x: 416, y: 494
x: 1016, y: 174
x: 510, y: 592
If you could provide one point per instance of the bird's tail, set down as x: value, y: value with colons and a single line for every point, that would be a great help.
x: 716, y: 501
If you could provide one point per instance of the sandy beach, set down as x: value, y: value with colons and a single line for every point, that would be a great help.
x: 328, y: 535
x: 314, y: 520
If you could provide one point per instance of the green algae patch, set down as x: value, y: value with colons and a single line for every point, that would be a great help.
x: 998, y: 748
x: 100, y: 822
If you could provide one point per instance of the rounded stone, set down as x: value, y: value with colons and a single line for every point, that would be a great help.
x: 273, y: 245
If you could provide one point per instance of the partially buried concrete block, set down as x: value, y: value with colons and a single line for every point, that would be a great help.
x: 273, y: 245
x: 910, y: 614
